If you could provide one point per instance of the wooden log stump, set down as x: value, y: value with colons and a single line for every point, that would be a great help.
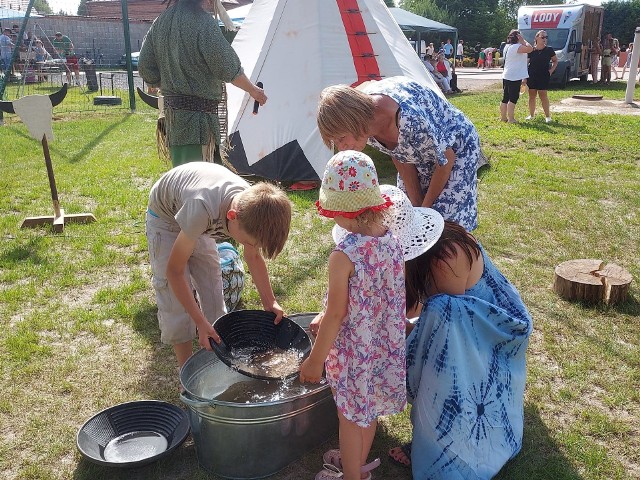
x: 591, y: 281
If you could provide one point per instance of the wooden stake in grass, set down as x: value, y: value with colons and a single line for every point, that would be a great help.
x: 35, y: 111
x: 590, y: 281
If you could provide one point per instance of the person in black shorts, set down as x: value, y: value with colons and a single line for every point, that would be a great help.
x: 542, y: 63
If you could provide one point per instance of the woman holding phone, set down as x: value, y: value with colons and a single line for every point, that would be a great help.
x: 515, y: 73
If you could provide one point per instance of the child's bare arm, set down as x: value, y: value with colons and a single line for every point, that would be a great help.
x: 260, y: 276
x: 340, y: 269
x: 178, y: 258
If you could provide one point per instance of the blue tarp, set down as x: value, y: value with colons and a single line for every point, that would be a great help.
x: 7, y: 13
x: 411, y: 21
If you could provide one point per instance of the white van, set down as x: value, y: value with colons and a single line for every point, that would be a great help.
x: 572, y: 30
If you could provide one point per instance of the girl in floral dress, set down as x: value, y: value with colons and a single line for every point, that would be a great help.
x: 361, y: 332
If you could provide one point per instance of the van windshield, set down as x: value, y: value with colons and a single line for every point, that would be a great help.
x: 557, y: 37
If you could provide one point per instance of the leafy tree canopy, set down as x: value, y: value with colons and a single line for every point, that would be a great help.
x: 42, y: 6
x: 484, y: 21
x: 82, y: 8
x: 621, y: 19
x: 489, y: 21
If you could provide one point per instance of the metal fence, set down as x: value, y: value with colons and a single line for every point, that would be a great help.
x: 97, y: 91
x: 101, y: 80
x: 101, y: 83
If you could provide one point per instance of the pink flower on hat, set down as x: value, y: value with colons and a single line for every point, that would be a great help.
x: 350, y: 186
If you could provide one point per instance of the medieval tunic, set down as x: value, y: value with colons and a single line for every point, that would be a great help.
x: 185, y: 53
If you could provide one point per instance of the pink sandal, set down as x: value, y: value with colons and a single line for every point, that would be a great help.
x: 333, y: 466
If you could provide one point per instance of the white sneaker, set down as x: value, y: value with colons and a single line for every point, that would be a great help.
x: 529, y: 117
x: 547, y: 119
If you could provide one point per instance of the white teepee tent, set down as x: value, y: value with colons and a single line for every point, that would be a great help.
x: 296, y: 48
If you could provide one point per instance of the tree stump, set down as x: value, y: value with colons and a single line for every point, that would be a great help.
x: 590, y: 281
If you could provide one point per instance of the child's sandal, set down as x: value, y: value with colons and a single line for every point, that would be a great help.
x: 401, y: 455
x: 331, y: 472
x: 333, y: 464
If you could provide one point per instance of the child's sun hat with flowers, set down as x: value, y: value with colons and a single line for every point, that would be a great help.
x: 350, y: 186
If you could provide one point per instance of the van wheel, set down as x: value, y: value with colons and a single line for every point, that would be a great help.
x: 565, y: 80
x: 583, y: 78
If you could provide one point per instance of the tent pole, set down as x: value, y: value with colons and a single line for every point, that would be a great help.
x: 455, y: 51
x: 633, y: 71
x: 127, y: 49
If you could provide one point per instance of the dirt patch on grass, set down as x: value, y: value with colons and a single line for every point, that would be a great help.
x: 596, y: 107
x: 467, y: 84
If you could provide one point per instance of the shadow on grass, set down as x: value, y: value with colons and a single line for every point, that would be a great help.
x: 90, y: 145
x: 484, y: 169
x: 541, y: 457
x: 631, y: 306
x: 95, y: 141
x: 159, y: 382
x: 19, y: 253
x: 553, y: 127
x: 182, y: 464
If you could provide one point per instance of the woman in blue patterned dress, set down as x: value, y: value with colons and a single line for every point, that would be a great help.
x: 432, y: 144
x: 465, y: 355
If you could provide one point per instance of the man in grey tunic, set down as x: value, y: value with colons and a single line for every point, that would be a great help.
x: 185, y: 54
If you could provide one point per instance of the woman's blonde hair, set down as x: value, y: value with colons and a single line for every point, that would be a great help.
x: 538, y: 35
x: 264, y: 212
x: 343, y: 109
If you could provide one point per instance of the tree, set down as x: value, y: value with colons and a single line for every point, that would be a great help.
x: 484, y: 21
x: 478, y: 21
x: 82, y: 8
x: 42, y: 6
x: 428, y: 9
x: 390, y: 3
x: 621, y: 19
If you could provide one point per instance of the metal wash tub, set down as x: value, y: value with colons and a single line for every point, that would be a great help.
x: 245, y: 428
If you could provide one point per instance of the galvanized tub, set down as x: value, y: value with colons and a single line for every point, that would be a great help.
x: 245, y: 428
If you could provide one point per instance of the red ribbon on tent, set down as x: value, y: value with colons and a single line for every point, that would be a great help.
x: 364, y: 59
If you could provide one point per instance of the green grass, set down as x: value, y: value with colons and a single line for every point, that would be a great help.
x: 79, y: 332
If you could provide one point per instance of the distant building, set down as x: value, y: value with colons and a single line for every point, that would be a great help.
x: 15, y: 4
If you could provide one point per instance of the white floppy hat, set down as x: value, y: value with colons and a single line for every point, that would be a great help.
x: 417, y: 228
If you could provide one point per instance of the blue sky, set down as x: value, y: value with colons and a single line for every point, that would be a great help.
x: 69, y: 6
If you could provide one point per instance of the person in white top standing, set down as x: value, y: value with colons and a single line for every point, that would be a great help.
x: 6, y: 49
x: 430, y: 50
x: 460, y: 54
x: 514, y: 74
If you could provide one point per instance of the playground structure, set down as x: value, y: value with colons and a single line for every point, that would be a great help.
x: 101, y: 45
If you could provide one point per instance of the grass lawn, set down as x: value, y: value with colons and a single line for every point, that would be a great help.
x: 79, y: 332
